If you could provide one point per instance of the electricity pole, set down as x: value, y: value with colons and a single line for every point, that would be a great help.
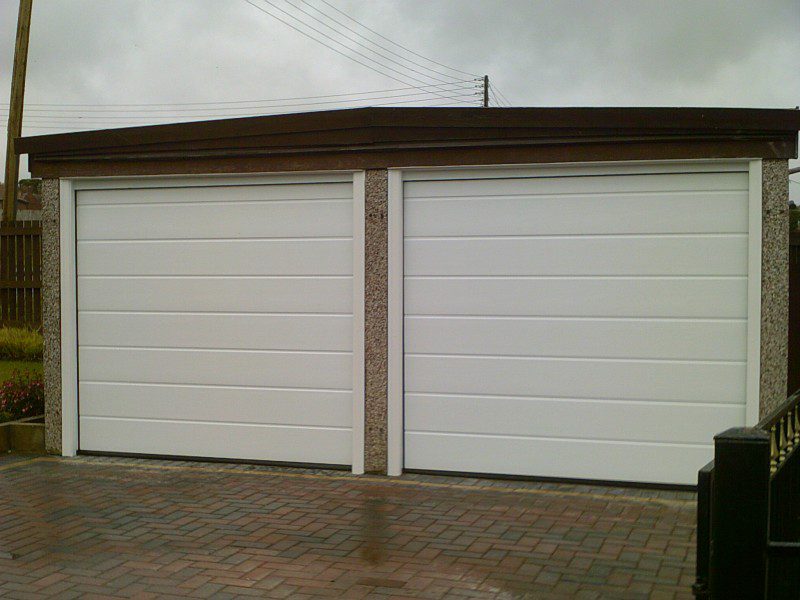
x: 485, y: 91
x: 15, y: 109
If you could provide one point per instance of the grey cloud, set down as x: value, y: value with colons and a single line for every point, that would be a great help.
x: 539, y: 53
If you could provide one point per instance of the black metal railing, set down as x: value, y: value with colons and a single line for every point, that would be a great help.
x: 748, y: 511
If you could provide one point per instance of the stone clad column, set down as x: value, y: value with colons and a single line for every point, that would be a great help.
x: 375, y: 320
x: 51, y: 314
x: 774, y: 283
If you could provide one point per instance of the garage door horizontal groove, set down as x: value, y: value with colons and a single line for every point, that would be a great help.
x: 211, y: 193
x: 571, y: 277
x: 311, y: 276
x: 594, y: 183
x: 344, y: 391
x: 574, y: 358
x: 227, y: 350
x: 558, y: 438
x: 226, y: 423
x: 630, y: 401
x: 580, y: 276
x: 414, y: 203
x: 219, y: 240
x: 211, y: 312
x: 576, y: 318
x: 543, y: 236
x: 431, y: 175
x: 410, y: 199
x: 83, y: 202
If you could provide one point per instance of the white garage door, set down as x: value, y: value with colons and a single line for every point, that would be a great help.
x: 583, y: 326
x: 217, y: 321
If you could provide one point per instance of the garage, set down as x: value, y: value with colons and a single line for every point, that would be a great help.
x: 584, y: 322
x: 216, y: 319
x: 569, y: 293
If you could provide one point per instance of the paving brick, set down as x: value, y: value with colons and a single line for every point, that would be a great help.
x: 96, y: 527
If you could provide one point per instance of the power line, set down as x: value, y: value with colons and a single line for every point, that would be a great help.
x: 363, y: 37
x: 300, y: 20
x: 367, y: 57
x: 398, y: 89
x: 264, y: 10
x: 80, y: 127
x: 72, y: 122
x: 503, y: 96
x: 368, y: 49
x: 383, y: 37
x: 87, y: 127
x: 494, y: 96
x: 498, y: 97
x: 324, y: 44
x: 167, y: 118
x: 458, y: 91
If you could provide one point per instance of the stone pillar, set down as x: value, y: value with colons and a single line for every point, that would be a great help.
x: 774, y: 284
x: 376, y: 360
x: 51, y: 314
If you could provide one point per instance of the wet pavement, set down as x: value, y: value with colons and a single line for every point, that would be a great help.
x: 96, y: 527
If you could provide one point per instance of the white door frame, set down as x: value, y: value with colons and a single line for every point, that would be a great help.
x: 395, y: 398
x: 68, y: 189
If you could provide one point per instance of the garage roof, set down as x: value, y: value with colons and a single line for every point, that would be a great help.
x: 381, y: 137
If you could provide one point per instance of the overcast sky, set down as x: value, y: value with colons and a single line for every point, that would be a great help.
x: 537, y: 53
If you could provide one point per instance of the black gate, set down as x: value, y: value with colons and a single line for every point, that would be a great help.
x: 748, y: 511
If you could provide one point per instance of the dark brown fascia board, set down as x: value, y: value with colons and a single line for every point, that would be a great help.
x: 699, y: 121
x: 190, y: 131
x: 348, y: 159
x: 780, y: 147
x: 376, y: 138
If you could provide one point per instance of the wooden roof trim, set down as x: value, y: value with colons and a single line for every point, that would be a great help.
x: 378, y: 120
x: 348, y: 159
x: 785, y: 146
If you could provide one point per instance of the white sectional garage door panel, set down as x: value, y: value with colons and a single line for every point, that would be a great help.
x: 217, y: 321
x: 588, y: 326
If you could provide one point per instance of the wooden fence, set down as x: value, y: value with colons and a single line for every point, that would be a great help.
x: 21, y: 274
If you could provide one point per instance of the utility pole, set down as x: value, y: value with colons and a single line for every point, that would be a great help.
x: 485, y: 91
x: 15, y: 109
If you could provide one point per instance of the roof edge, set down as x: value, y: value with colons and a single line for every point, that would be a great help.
x: 733, y: 121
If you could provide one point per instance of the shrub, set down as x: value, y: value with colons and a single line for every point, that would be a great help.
x: 794, y: 219
x: 20, y: 344
x: 21, y: 396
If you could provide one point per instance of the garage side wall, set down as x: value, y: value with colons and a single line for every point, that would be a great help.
x: 774, y: 283
x: 51, y: 313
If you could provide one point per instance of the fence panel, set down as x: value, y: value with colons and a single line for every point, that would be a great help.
x: 21, y: 274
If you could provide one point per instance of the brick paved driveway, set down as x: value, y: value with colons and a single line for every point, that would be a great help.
x: 102, y: 527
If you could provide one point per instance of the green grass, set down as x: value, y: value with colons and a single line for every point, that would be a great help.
x: 20, y: 344
x: 7, y: 367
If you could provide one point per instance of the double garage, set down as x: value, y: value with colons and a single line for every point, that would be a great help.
x: 580, y: 319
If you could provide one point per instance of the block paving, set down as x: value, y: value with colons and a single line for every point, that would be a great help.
x: 98, y: 527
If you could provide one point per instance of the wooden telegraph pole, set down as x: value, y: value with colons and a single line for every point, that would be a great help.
x: 15, y: 109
